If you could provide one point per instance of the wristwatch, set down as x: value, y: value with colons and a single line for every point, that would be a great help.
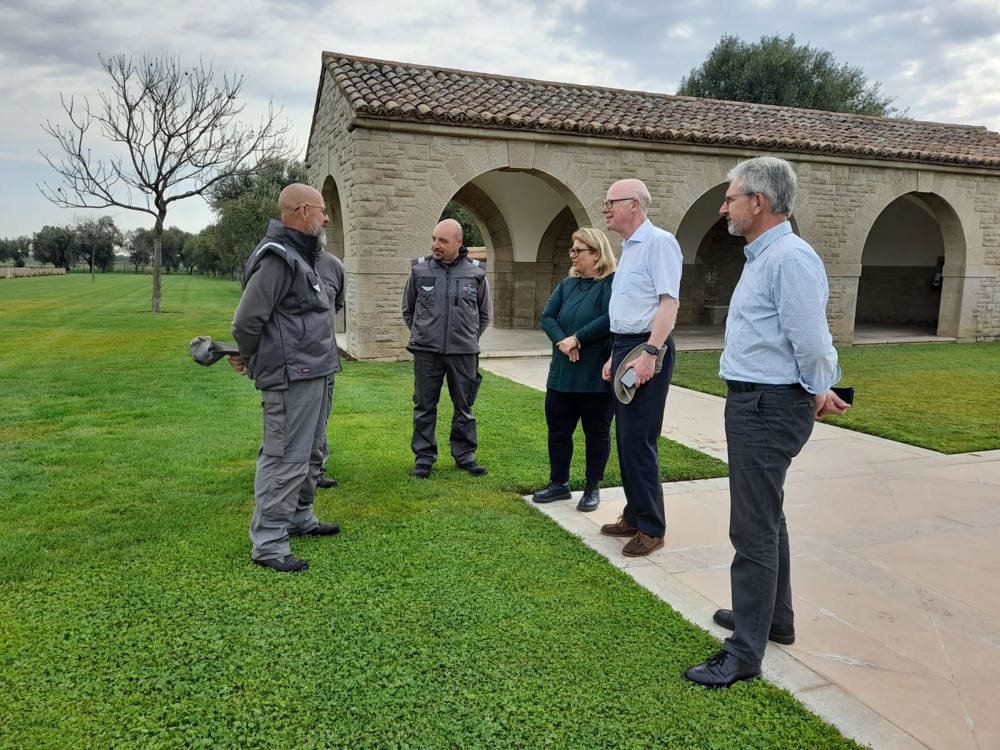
x: 650, y: 349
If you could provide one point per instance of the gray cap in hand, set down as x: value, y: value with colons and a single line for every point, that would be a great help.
x: 206, y: 351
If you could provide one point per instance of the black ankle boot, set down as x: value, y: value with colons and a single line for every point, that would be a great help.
x: 590, y: 500
x: 552, y: 492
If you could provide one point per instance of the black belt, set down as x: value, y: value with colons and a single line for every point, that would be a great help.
x: 740, y: 387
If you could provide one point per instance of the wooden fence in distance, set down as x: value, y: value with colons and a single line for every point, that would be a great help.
x: 18, y: 273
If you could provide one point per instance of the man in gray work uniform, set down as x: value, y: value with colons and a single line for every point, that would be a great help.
x: 284, y: 332
x: 447, y: 307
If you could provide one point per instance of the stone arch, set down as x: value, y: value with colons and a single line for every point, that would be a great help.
x: 713, y: 260
x: 553, y: 254
x: 525, y: 214
x: 335, y: 239
x: 491, y: 222
x: 335, y: 210
x: 910, y: 265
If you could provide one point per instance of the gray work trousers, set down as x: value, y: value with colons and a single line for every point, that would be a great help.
x: 288, y: 465
x: 765, y: 430
x: 462, y: 374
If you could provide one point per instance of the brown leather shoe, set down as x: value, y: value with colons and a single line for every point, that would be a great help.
x: 642, y: 544
x: 619, y: 528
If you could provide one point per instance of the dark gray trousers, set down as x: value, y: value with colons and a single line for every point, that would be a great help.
x: 288, y: 465
x: 765, y: 430
x: 637, y: 428
x: 430, y: 370
x: 325, y: 447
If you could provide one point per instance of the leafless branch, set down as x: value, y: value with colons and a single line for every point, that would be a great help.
x: 172, y: 132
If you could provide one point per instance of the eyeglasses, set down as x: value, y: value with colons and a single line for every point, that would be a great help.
x: 609, y: 204
x: 730, y: 198
x: 310, y: 205
x: 574, y: 251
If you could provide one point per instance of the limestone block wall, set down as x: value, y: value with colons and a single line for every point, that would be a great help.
x: 394, y: 179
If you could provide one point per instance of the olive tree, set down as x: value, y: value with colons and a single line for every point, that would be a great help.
x: 776, y: 70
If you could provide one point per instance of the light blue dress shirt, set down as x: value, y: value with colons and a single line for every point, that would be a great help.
x: 650, y: 265
x: 776, y: 330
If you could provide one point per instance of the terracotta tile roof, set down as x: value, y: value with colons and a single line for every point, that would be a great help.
x: 398, y: 91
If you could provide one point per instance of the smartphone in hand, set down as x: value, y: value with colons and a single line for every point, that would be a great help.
x: 844, y: 392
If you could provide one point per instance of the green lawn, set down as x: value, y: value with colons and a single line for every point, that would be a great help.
x: 448, y: 614
x: 937, y: 396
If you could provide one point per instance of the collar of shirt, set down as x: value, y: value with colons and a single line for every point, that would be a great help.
x: 640, y: 233
x: 759, y: 245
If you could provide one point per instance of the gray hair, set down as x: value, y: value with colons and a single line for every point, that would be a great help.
x: 645, y: 201
x: 769, y: 176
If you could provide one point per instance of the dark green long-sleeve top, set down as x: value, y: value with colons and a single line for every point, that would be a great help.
x: 579, y: 307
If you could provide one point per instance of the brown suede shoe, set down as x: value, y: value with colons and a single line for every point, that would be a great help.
x: 618, y: 528
x: 642, y: 544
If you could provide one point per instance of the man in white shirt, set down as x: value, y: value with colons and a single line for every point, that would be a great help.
x: 643, y: 310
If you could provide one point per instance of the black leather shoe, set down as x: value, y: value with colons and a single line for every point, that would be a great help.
x: 421, y: 471
x: 324, y: 482
x: 286, y: 564
x: 590, y: 500
x: 722, y: 670
x: 320, y: 529
x: 474, y: 468
x: 552, y: 493
x: 783, y: 634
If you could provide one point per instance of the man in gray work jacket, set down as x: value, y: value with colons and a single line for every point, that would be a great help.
x: 284, y: 332
x: 447, y: 307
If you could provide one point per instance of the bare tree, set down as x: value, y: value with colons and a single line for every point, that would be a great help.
x: 176, y: 134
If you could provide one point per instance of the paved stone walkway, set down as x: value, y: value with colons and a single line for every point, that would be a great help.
x: 896, y: 573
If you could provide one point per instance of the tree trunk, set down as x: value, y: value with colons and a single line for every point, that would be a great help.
x: 157, y: 259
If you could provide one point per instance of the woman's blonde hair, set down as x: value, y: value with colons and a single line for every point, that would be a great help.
x: 596, y: 240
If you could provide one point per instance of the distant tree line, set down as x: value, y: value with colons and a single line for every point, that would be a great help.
x: 242, y: 206
x: 94, y: 243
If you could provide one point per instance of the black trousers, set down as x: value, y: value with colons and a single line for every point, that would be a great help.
x: 429, y: 372
x: 766, y: 427
x: 563, y: 411
x: 637, y: 426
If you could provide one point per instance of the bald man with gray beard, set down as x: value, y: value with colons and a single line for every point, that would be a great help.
x: 284, y: 296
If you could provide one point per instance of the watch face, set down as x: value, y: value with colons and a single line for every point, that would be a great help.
x: 650, y: 349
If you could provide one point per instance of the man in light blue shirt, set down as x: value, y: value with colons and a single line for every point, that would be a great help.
x: 643, y: 310
x: 779, y: 363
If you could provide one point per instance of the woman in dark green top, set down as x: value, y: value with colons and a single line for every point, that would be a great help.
x: 576, y: 319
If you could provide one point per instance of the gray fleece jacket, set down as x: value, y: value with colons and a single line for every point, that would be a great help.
x: 282, y: 324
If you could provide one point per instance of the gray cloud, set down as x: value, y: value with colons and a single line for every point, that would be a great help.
x: 939, y: 61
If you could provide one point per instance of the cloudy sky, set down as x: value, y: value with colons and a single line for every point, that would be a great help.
x: 940, y: 61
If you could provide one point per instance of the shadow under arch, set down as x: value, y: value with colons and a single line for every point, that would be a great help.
x: 713, y: 260
x: 910, y: 265
x: 525, y: 215
x: 335, y: 238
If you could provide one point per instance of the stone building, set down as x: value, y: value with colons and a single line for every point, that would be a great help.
x: 905, y: 214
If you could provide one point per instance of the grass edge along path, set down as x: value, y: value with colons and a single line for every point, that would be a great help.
x: 449, y: 613
x: 935, y: 396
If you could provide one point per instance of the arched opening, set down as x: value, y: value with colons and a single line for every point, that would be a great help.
x: 335, y: 238
x: 713, y: 261
x: 903, y: 266
x: 526, y: 218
